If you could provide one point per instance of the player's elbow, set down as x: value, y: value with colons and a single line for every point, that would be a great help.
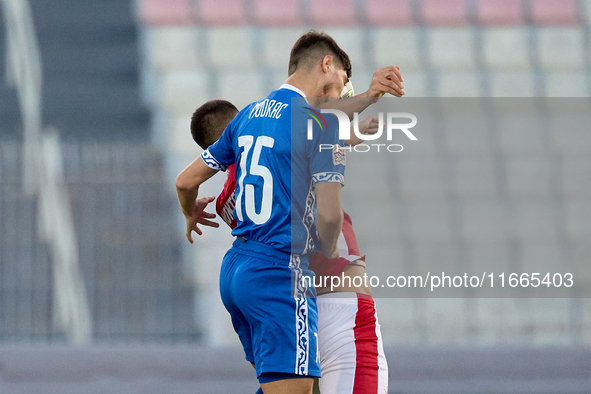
x: 183, y: 182
x: 330, y: 217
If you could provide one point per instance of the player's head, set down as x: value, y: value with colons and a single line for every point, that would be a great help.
x: 210, y: 120
x: 319, y: 51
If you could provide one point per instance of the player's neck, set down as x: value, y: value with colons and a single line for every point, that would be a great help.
x: 307, y: 83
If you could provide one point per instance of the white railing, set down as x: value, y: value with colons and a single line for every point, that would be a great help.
x: 23, y: 72
x: 43, y: 173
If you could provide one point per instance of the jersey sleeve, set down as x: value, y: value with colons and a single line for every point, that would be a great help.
x: 327, y: 158
x: 220, y: 154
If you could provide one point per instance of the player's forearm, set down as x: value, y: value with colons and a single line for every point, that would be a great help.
x: 188, y: 181
x: 329, y: 216
x: 187, y: 199
x: 329, y: 225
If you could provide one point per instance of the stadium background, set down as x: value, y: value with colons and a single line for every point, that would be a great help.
x: 118, y: 285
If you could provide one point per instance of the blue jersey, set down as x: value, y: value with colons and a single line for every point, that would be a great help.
x: 278, y: 162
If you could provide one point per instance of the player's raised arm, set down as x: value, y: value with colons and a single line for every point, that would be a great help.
x: 187, y: 188
x: 385, y: 80
x: 327, y: 167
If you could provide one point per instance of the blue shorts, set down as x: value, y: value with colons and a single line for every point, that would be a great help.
x: 279, y: 333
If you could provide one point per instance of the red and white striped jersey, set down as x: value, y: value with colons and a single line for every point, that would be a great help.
x: 322, y: 266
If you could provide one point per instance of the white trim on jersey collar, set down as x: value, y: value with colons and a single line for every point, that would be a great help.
x: 291, y: 87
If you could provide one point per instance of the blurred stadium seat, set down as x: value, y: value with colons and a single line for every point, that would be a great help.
x: 431, y: 220
x: 397, y: 46
x: 489, y: 253
x: 181, y: 91
x: 451, y: 48
x: 351, y: 40
x: 232, y: 48
x: 277, y: 14
x: 416, y: 84
x: 361, y: 80
x: 512, y: 84
x: 180, y: 140
x: 173, y: 48
x: 332, y: 13
x: 517, y: 138
x: 165, y: 12
x: 483, y: 220
x: 573, y: 84
x: 500, y: 12
x: 475, y: 141
x: 458, y: 84
x: 474, y: 178
x: 574, y: 178
x: 277, y: 77
x: 420, y: 177
x: 389, y: 13
x: 552, y: 12
x: 528, y: 177
x: 578, y: 217
x: 242, y: 88
x: 444, y: 12
x: 506, y: 49
x: 431, y: 255
x: 534, y: 221
x: 566, y: 137
x: 561, y: 49
x: 543, y: 256
x: 221, y: 12
x: 445, y: 314
x: 586, y: 11
x: 275, y: 52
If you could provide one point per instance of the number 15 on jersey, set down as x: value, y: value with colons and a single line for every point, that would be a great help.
x: 247, y: 191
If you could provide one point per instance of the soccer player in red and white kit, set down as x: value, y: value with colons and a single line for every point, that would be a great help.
x: 352, y: 358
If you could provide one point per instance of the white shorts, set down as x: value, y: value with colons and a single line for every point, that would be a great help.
x: 352, y: 357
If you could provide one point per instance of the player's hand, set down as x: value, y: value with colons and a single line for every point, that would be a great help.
x: 200, y: 216
x: 369, y: 125
x: 386, y: 80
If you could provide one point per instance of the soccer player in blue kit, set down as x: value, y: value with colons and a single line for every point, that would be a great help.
x: 287, y: 205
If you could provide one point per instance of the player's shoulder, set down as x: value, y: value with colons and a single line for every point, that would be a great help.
x: 244, y: 112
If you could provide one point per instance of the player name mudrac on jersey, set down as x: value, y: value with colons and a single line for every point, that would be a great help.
x: 268, y: 109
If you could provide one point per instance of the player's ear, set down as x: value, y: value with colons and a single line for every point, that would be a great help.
x: 326, y: 64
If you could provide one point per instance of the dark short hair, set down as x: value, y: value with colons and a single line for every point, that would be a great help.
x: 313, y: 47
x: 209, y: 121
